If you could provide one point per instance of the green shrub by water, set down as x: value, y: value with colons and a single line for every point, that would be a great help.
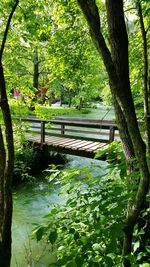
x: 87, y: 230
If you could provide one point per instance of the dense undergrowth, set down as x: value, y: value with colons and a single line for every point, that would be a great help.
x: 31, y: 160
x: 88, y: 230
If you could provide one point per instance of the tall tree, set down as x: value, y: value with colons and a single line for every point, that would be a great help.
x: 117, y: 66
x: 145, y: 72
x: 6, y: 159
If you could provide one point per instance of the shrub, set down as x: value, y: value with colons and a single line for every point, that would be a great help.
x: 87, y: 230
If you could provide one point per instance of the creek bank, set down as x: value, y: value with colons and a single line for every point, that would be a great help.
x: 31, y: 160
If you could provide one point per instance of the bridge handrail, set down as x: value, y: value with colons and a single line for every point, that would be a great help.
x: 77, y: 122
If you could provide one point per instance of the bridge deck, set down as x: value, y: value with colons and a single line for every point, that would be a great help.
x: 71, y: 146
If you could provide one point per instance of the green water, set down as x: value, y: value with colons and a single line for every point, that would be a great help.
x: 101, y: 113
x: 32, y: 202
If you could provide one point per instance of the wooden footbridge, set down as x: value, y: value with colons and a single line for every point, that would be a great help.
x: 82, y: 137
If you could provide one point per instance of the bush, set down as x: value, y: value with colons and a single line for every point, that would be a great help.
x: 24, y: 158
x: 30, y: 159
x: 18, y: 108
x: 87, y: 230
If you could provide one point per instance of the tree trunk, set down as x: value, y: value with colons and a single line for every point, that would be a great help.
x: 6, y: 161
x: 6, y: 171
x: 116, y: 64
x: 145, y: 76
x: 124, y: 135
x: 70, y: 98
x: 36, y: 69
x: 61, y: 95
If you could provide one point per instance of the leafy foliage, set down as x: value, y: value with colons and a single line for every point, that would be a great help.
x: 24, y: 156
x: 87, y: 230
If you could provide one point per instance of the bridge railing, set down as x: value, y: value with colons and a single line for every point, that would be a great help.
x: 86, y: 129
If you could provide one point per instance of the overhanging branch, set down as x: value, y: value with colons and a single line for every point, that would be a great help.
x: 7, y: 28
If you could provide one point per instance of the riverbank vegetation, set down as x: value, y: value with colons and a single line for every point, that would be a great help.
x: 88, y: 229
x: 76, y: 52
x: 31, y: 160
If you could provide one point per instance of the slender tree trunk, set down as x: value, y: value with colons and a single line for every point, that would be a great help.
x: 145, y: 75
x: 61, y: 95
x: 36, y: 69
x: 70, y: 98
x: 6, y: 177
x: 6, y: 161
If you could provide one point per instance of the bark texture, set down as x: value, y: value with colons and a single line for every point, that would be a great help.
x: 145, y: 75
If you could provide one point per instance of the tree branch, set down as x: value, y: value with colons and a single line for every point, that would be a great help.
x: 7, y: 28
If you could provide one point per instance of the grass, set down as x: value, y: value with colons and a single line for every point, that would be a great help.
x: 18, y: 108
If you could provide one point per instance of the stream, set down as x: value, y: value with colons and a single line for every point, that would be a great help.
x: 33, y: 201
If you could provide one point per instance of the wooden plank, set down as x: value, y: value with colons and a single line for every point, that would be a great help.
x: 59, y: 140
x: 56, y: 139
x: 67, y: 142
x: 80, y: 137
x: 79, y: 143
x: 91, y: 145
x: 64, y: 143
x: 92, y: 148
x: 52, y: 138
x: 96, y: 147
x: 74, y: 143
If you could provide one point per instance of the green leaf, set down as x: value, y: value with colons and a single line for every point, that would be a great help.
x: 96, y: 247
x: 145, y: 265
x: 52, y: 237
x: 136, y: 245
x: 76, y: 236
x: 148, y: 249
x: 39, y: 233
x: 72, y: 230
x: 79, y: 261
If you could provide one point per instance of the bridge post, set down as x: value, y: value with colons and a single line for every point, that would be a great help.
x: 111, y: 134
x: 42, y: 132
x: 62, y: 129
